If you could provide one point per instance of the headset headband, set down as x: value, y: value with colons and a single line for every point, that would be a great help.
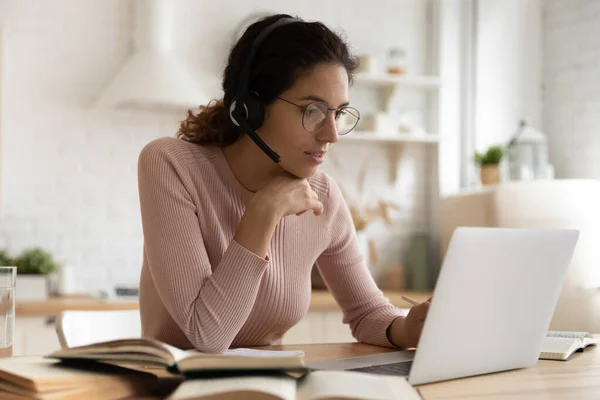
x: 252, y: 107
x: 244, y: 79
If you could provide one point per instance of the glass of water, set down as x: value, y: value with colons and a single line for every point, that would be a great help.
x: 8, y: 277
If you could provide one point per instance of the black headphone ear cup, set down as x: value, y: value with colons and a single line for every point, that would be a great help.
x: 256, y: 111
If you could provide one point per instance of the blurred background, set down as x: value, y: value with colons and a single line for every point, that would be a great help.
x: 473, y: 112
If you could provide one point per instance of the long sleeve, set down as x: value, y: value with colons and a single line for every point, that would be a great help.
x: 345, y: 273
x: 209, y: 307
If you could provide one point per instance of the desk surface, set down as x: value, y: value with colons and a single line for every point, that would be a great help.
x: 577, y: 378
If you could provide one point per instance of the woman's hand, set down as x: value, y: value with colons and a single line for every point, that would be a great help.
x: 286, y: 195
x: 405, y: 332
x: 413, y: 324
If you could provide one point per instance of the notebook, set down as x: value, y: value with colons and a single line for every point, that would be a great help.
x: 184, y: 362
x: 559, y: 345
x: 322, y: 385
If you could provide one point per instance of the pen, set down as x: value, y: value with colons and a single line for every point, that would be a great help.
x: 411, y: 301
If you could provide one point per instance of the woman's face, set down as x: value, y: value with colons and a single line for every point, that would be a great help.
x: 302, y: 151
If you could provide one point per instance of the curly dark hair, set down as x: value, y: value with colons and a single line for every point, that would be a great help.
x: 285, y: 54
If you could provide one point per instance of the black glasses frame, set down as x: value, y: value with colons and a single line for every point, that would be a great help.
x: 337, y: 111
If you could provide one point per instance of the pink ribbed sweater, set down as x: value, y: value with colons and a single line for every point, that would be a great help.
x: 201, y: 289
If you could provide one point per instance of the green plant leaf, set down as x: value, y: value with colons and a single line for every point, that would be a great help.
x: 5, y: 259
x: 492, y: 156
x: 35, y: 261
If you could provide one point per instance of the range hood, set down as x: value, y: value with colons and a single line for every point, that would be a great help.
x: 152, y: 78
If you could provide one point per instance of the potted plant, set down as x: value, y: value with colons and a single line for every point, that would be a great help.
x: 489, y: 165
x: 34, y: 266
x: 5, y: 259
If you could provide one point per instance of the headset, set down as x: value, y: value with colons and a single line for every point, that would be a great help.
x: 247, y: 111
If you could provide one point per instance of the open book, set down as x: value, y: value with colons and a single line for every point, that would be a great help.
x: 561, y: 345
x: 320, y: 385
x: 185, y: 362
x: 44, y: 379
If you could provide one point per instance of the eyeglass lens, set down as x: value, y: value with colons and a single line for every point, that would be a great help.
x: 315, y: 115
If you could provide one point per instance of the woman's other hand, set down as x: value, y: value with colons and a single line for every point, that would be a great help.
x: 406, y: 331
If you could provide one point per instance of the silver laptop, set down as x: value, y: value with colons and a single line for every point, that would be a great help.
x: 491, y: 307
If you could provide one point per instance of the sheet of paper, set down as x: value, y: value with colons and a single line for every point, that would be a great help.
x: 179, y: 354
x: 589, y: 341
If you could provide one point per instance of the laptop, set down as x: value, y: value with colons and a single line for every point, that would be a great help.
x: 491, y: 307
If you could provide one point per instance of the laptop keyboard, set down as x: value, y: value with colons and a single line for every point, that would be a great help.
x: 401, y: 368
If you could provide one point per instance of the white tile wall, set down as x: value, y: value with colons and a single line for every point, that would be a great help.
x: 69, y: 177
x: 571, y: 75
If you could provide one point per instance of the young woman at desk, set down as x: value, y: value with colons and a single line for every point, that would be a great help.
x: 234, y: 220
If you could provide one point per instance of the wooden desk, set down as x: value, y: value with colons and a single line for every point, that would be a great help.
x: 578, y: 378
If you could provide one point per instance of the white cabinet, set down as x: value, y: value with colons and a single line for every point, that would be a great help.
x: 308, y: 330
x: 35, y: 336
x: 334, y: 330
x: 319, y: 327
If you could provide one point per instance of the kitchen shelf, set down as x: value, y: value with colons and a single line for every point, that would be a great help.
x: 391, y: 86
x: 363, y: 136
x: 412, y: 81
x: 395, y: 145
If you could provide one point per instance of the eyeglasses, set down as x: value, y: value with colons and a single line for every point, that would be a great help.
x: 314, y: 116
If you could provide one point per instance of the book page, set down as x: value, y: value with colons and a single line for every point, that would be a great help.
x: 179, y: 354
x: 240, y: 352
x: 559, y: 347
x: 354, y: 385
x: 243, y: 387
x: 567, y: 334
x: 264, y: 353
x: 140, y: 350
x: 243, y: 359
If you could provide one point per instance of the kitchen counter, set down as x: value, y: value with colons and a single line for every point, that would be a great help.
x: 321, y: 300
x: 35, y: 326
x: 55, y: 305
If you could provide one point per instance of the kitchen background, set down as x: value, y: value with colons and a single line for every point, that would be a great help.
x: 69, y: 167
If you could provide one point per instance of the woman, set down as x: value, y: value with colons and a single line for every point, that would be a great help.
x: 230, y: 236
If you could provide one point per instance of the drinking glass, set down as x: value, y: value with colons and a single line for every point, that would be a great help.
x: 8, y: 277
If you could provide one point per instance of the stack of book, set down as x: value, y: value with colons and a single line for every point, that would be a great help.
x: 47, y: 379
x: 129, y: 368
